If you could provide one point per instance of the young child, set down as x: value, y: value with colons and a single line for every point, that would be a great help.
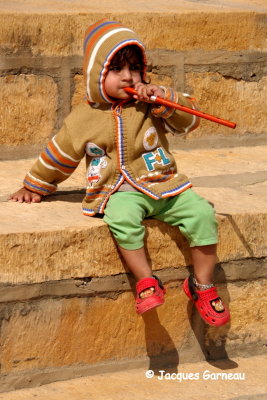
x: 131, y: 173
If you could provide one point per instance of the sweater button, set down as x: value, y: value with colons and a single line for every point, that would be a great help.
x: 123, y: 167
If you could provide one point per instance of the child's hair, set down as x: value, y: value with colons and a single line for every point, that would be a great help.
x: 131, y: 54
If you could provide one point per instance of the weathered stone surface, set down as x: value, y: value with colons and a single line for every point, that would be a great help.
x: 35, y: 237
x: 79, y: 330
x: 214, y: 162
x: 79, y: 90
x: 235, y: 100
x: 27, y: 109
x: 195, y: 163
x: 238, y: 378
x: 160, y: 78
x: 60, y: 32
x: 248, y: 317
x: 72, y: 318
x: 45, y: 42
x: 249, y: 269
x: 36, y: 256
x: 60, y: 6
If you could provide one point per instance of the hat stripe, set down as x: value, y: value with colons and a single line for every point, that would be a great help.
x: 94, y: 37
x: 94, y: 53
x: 94, y: 28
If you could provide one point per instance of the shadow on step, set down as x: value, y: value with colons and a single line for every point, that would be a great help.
x: 161, y: 350
x: 211, y: 339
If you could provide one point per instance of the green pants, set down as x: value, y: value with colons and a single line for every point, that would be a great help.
x: 192, y: 214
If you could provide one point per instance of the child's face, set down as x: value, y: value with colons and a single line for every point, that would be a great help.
x: 120, y: 77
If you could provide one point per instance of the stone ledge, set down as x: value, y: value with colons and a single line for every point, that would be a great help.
x: 111, y: 287
x: 33, y: 30
x: 42, y: 229
x: 115, y: 384
x: 79, y: 7
x: 32, y: 256
x: 82, y: 332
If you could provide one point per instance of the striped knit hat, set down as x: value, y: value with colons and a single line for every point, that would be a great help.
x: 102, y: 41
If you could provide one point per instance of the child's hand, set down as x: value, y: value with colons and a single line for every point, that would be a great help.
x: 145, y: 91
x: 24, y: 195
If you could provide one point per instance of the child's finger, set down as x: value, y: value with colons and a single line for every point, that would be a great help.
x: 154, y: 90
x: 13, y: 198
x: 36, y: 198
x: 141, y: 91
x: 27, y: 198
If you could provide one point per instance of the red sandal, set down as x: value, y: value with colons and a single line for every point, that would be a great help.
x: 207, y: 302
x: 152, y: 301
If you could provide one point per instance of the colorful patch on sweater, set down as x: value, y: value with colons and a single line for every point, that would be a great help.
x: 150, y: 138
x: 157, y: 157
x: 93, y: 150
x: 158, y: 178
x: 94, y: 170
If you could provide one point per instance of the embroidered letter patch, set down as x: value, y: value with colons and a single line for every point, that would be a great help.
x: 155, y: 157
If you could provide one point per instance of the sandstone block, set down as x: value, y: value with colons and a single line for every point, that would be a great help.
x: 59, y: 33
x: 79, y: 90
x: 160, y: 78
x: 28, y: 106
x: 59, y: 332
x: 62, y: 332
x: 248, y: 323
x: 235, y: 100
x: 84, y: 247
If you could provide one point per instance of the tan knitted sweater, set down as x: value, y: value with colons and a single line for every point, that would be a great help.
x: 122, y: 142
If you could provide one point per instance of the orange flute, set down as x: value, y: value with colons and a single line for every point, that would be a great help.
x: 198, y: 113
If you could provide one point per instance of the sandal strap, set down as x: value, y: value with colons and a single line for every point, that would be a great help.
x: 145, y: 283
x: 152, y: 301
x: 192, y: 287
x: 209, y: 294
x: 159, y: 281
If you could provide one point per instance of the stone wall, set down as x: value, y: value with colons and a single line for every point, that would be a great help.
x: 41, y: 71
x: 61, y: 330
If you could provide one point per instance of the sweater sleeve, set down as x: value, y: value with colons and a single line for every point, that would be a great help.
x: 55, y: 164
x: 176, y: 121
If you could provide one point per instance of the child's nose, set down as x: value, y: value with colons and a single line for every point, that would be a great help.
x: 127, y: 74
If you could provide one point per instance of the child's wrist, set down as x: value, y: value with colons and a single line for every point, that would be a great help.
x: 163, y: 111
x: 163, y: 89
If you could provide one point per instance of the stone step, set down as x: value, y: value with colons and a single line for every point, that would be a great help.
x: 67, y: 299
x: 236, y: 379
x: 223, y: 176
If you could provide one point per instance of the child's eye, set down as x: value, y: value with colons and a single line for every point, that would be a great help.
x: 136, y: 67
x: 114, y: 68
